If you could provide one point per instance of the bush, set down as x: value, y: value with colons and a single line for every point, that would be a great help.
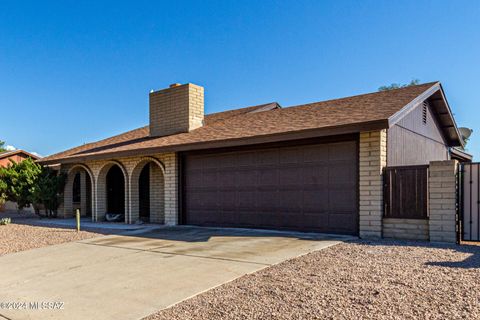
x: 5, y: 221
x: 27, y: 183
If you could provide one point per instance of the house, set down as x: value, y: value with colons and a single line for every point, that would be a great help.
x: 16, y: 156
x: 313, y: 167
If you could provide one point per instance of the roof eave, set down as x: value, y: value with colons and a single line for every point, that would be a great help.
x: 278, y: 137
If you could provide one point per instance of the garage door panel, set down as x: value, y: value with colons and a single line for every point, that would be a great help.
x: 341, y: 174
x: 316, y: 153
x: 246, y: 159
x: 308, y: 187
x: 290, y: 176
x: 316, y: 175
x: 267, y: 200
x: 315, y: 200
x: 341, y: 221
x: 290, y: 156
x: 267, y: 157
x: 342, y: 151
x: 246, y: 199
x: 226, y: 178
x: 226, y: 199
x: 290, y: 200
x: 268, y: 176
x: 319, y: 219
x: 246, y: 177
x: 342, y: 200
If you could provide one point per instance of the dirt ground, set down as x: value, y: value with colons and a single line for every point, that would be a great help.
x: 356, y: 280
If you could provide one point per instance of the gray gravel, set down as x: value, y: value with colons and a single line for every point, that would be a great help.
x: 360, y: 280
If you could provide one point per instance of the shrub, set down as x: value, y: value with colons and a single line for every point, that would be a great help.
x: 5, y: 221
x: 28, y: 183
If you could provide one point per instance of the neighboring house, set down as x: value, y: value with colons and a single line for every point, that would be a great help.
x: 313, y: 167
x: 16, y: 156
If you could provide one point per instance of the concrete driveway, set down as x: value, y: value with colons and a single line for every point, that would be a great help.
x: 131, y: 276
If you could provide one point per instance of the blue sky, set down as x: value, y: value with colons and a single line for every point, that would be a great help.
x: 77, y: 71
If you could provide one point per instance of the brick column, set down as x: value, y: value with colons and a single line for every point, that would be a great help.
x: 442, y: 191
x: 157, y: 194
x: 372, y: 158
x: 171, y: 189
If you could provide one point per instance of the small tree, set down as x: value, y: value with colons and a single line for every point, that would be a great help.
x: 2, y: 146
x: 20, y: 179
x: 414, y: 82
x: 48, y: 191
x: 28, y: 183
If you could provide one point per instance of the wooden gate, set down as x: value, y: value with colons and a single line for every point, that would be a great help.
x: 469, y: 196
x: 406, y: 192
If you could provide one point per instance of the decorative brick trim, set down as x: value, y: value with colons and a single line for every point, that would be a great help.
x: 372, y: 160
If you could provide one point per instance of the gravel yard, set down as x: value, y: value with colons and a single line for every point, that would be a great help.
x: 359, y: 280
x: 19, y: 237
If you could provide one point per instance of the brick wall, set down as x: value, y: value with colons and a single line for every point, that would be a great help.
x: 372, y: 157
x: 409, y: 229
x: 176, y: 109
x: 442, y: 201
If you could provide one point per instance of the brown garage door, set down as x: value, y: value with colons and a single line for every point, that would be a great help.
x: 307, y: 187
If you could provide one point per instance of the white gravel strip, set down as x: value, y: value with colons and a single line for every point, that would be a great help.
x: 358, y: 280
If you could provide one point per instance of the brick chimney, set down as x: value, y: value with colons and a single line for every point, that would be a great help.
x: 176, y: 109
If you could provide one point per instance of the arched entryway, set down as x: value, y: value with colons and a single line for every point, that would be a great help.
x: 115, y: 191
x: 148, y: 192
x: 111, y: 191
x: 79, y: 192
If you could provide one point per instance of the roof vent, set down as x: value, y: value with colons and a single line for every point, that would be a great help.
x: 424, y: 113
x: 173, y: 85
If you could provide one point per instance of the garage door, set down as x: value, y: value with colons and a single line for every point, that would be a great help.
x: 307, y: 188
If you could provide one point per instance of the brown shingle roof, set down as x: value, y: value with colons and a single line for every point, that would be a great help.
x: 5, y: 154
x: 243, y: 124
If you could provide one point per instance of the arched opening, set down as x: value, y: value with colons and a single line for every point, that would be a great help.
x: 115, y: 190
x: 144, y: 194
x: 148, y: 192
x: 77, y: 188
x: 78, y: 192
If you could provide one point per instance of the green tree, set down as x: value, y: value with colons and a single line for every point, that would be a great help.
x: 28, y: 183
x: 2, y: 146
x: 20, y: 179
x: 48, y: 191
x: 393, y: 86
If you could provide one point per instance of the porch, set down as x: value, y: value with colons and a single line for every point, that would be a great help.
x: 136, y: 189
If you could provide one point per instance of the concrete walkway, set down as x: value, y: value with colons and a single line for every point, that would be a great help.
x: 129, y: 277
